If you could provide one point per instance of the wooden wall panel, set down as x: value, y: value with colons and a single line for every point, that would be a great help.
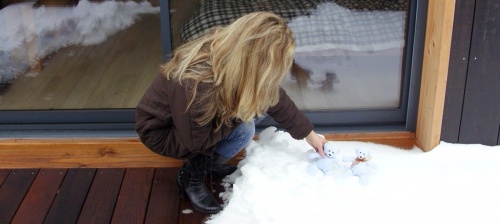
x: 457, y: 73
x: 498, y: 139
x: 481, y: 111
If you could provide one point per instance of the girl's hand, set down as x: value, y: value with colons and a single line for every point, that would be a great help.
x: 316, y: 142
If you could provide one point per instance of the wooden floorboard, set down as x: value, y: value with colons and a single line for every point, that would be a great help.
x: 164, y: 202
x: 3, y: 176
x: 102, y: 196
x: 13, y: 191
x: 133, y: 200
x: 84, y: 195
x: 40, y: 196
x: 72, y: 194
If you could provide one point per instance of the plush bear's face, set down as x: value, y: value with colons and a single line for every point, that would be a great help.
x: 362, y: 153
x: 330, y: 151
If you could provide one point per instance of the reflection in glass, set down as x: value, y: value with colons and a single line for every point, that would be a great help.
x: 77, y: 54
x: 349, y: 53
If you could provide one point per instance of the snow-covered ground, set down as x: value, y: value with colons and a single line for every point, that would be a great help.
x: 29, y: 34
x: 453, y: 183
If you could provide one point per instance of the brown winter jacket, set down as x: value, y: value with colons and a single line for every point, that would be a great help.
x: 166, y: 129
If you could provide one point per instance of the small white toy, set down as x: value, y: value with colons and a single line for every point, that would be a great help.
x: 360, y: 164
x: 328, y: 163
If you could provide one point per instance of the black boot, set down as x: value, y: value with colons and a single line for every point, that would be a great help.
x: 191, y: 180
x: 219, y: 168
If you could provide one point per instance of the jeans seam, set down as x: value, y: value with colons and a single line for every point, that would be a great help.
x: 234, y: 151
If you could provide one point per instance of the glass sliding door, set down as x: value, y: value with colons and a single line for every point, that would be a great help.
x: 61, y: 60
x: 353, y: 58
x: 84, y: 65
x: 87, y: 55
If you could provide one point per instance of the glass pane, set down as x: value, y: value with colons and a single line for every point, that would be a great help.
x: 74, y: 54
x: 349, y: 53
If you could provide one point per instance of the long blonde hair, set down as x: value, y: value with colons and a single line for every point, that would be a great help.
x: 243, y: 65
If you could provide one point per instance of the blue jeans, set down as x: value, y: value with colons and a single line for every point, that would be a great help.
x: 238, y: 139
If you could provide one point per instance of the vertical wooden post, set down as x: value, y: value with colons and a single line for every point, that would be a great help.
x: 434, y: 72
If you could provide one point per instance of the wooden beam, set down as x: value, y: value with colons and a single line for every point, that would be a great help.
x: 79, y: 153
x: 434, y: 72
x: 403, y: 140
x: 130, y: 152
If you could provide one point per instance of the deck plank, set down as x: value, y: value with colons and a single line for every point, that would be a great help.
x: 102, y: 197
x: 3, y: 175
x: 164, y: 202
x: 133, y: 199
x: 13, y: 190
x: 134, y: 195
x: 71, y: 197
x: 40, y: 196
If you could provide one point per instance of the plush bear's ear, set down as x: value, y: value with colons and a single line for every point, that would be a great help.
x: 328, y: 146
x: 357, y: 150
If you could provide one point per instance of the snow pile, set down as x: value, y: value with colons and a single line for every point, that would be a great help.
x: 451, y: 184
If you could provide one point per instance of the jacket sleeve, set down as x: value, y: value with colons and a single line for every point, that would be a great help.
x: 290, y: 117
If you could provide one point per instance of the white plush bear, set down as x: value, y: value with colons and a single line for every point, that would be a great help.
x: 360, y: 164
x: 328, y: 163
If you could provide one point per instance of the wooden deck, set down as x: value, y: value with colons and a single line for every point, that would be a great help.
x: 86, y: 195
x: 106, y: 181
